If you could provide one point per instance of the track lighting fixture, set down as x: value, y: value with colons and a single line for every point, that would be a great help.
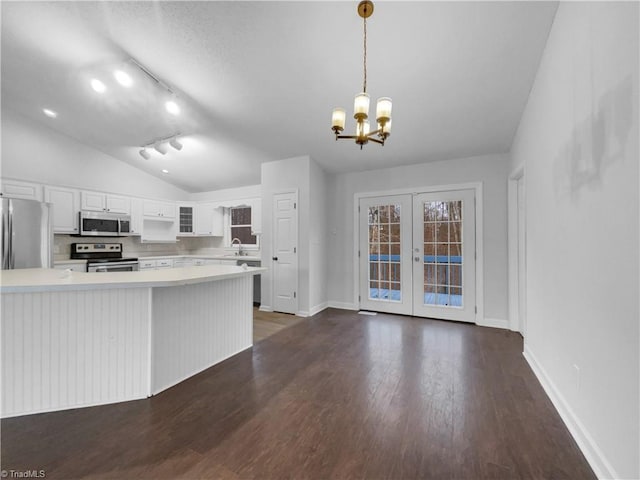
x: 175, y: 143
x: 160, y: 148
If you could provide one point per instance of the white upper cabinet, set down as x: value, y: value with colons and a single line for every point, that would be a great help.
x: 187, y: 222
x: 136, y: 216
x: 102, y: 202
x: 18, y: 189
x: 209, y: 220
x: 117, y: 204
x: 159, y: 210
x: 66, y: 207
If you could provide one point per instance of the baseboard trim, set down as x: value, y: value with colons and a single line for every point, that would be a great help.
x: 265, y: 308
x: 318, y: 308
x: 494, y: 323
x: 594, y: 456
x: 343, y: 305
x: 302, y: 313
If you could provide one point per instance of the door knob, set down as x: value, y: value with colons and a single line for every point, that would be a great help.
x: 275, y: 259
x: 417, y: 259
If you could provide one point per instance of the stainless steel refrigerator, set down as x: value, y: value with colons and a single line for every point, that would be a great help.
x: 26, y: 234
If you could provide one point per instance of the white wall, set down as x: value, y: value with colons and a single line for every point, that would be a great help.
x: 289, y: 174
x: 578, y: 141
x: 32, y: 151
x: 491, y: 170
x: 238, y: 193
x: 318, y: 238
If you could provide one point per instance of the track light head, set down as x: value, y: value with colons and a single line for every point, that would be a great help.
x: 175, y: 143
x: 160, y: 148
x: 144, y: 154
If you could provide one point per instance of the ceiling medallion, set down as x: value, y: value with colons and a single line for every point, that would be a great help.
x: 361, y: 105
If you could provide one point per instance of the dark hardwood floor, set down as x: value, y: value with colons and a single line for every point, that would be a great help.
x: 339, y: 395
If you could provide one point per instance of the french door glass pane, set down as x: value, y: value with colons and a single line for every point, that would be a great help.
x: 384, y: 253
x: 443, y: 253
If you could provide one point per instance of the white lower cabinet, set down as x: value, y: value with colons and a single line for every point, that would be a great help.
x: 74, y: 267
x: 155, y: 264
x: 147, y: 264
x: 165, y: 263
x: 183, y: 262
x: 228, y: 262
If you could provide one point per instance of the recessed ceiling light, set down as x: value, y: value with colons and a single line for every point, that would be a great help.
x: 123, y: 78
x: 49, y: 113
x: 172, y: 107
x: 165, y: 171
x: 98, y: 86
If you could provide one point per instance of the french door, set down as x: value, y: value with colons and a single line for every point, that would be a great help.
x: 385, y: 254
x: 417, y: 254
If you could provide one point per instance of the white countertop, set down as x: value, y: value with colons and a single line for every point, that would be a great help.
x: 50, y: 279
x: 248, y: 258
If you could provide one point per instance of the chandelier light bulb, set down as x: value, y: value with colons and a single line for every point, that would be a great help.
x: 361, y: 104
x: 338, y: 119
x: 386, y: 128
x: 97, y: 85
x: 383, y: 109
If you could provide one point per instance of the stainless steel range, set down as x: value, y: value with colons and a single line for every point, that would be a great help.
x: 103, y: 257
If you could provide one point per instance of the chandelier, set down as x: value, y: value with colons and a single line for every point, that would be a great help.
x: 361, y: 105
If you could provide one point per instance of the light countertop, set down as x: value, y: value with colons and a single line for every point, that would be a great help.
x: 49, y: 279
x: 247, y: 258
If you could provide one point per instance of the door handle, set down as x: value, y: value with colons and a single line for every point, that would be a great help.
x: 275, y: 259
x: 417, y: 259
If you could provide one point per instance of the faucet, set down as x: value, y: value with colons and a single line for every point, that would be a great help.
x: 240, y: 251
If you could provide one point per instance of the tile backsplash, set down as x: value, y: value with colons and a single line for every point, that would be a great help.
x: 132, y: 247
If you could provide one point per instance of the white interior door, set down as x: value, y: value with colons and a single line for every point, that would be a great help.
x: 444, y: 255
x: 385, y: 254
x: 285, y: 257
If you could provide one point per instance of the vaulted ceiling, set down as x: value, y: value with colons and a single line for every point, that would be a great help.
x: 257, y: 81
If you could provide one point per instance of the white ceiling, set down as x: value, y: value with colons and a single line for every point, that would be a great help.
x: 257, y: 80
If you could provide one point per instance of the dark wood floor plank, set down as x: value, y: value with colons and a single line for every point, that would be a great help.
x: 336, y: 396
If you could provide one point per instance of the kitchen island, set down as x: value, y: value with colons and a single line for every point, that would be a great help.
x: 76, y: 339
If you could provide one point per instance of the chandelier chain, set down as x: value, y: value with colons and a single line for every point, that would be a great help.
x: 364, y: 87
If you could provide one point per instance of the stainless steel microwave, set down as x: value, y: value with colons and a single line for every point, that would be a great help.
x: 99, y: 224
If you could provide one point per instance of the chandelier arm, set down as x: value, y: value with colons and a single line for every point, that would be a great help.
x: 352, y: 137
x: 374, y: 132
x: 381, y: 142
